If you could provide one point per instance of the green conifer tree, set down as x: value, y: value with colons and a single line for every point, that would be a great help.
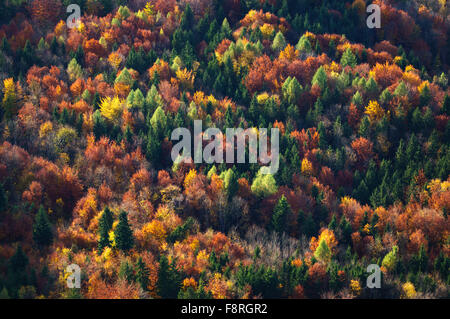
x: 42, y: 230
x: 123, y: 233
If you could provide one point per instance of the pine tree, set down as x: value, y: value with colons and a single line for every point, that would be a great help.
x: 425, y: 95
x: 333, y: 223
x: 323, y: 252
x: 230, y: 183
x: 225, y: 29
x: 3, y: 199
x: 446, y: 105
x: 229, y: 122
x: 320, y: 78
x: 128, y: 134
x: 364, y: 127
x: 348, y: 58
x: 19, y: 260
x: 304, y: 45
x: 169, y: 279
x: 416, y: 120
x: 346, y: 230
x: 422, y: 259
x: 42, y: 230
x: 371, y: 87
x: 54, y: 46
x: 187, y: 19
x: 323, y: 144
x: 5, y: 47
x: 391, y: 259
x: 279, y: 42
x: 280, y: 215
x: 4, y: 293
x: 153, y: 146
x: 123, y: 234
x: 126, y: 271
x: 292, y: 90
x: 100, y: 127
x: 142, y: 274
x: 105, y: 225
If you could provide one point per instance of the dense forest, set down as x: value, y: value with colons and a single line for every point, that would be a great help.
x: 86, y: 175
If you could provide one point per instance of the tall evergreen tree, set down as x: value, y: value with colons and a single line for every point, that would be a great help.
x: 169, y: 279
x: 3, y: 199
x: 123, y: 233
x: 142, y: 274
x: 280, y: 215
x: 348, y: 58
x: 279, y: 42
x: 42, y: 230
x: 105, y: 225
x: 446, y: 105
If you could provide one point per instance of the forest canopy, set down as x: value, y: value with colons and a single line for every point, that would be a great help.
x: 86, y: 175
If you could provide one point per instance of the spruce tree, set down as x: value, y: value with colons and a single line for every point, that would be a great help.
x: 323, y: 144
x: 19, y: 260
x: 304, y: 45
x: 153, y: 146
x: 169, y: 279
x: 323, y: 252
x: 333, y: 223
x: 230, y: 183
x: 123, y: 233
x: 348, y: 58
x: 279, y: 42
x: 280, y: 215
x: 3, y: 199
x: 4, y: 293
x: 105, y: 225
x: 141, y: 274
x: 126, y: 271
x: 320, y: 78
x: 42, y: 230
x: 446, y: 105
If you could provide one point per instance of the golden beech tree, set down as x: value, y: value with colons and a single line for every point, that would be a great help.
x: 112, y: 108
x: 9, y: 102
x: 374, y: 111
x: 289, y: 53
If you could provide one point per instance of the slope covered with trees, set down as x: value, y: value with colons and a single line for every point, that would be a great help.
x: 86, y: 175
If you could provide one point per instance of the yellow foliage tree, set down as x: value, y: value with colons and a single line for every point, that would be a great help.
x: 289, y: 53
x: 45, y: 128
x: 189, y: 282
x: 149, y: 9
x: 115, y: 59
x: 112, y: 108
x: 374, y: 111
x: 186, y: 78
x: 409, y: 291
x: 9, y: 98
x: 155, y: 229
x: 328, y: 236
x: 189, y: 178
x: 307, y: 168
x: 355, y: 287
x: 266, y: 30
